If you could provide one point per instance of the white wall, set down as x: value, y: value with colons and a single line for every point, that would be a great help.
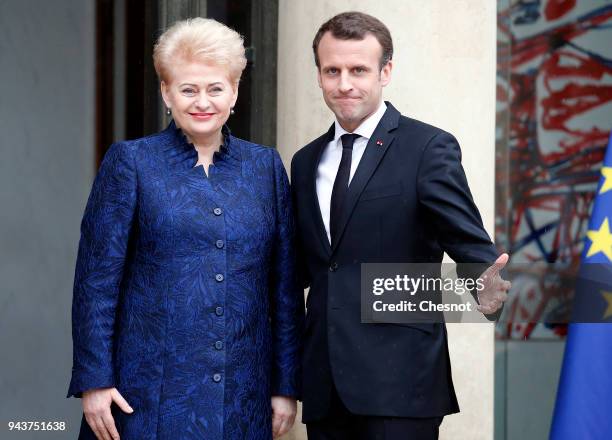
x: 46, y: 168
x: 444, y: 74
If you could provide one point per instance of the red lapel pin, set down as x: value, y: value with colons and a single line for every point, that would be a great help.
x: 379, y: 143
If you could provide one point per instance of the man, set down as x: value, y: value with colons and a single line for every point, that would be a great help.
x: 377, y: 187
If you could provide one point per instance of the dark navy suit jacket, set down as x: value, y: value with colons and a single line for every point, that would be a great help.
x: 408, y: 201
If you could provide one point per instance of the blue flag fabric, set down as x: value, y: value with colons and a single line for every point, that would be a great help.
x: 583, y: 408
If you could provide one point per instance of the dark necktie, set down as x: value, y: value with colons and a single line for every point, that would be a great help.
x: 341, y: 184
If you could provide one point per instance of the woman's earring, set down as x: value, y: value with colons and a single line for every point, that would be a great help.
x: 232, y: 111
x: 168, y: 111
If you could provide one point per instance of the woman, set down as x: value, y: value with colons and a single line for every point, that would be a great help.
x: 185, y: 304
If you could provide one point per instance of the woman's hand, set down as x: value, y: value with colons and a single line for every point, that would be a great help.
x: 283, y: 414
x: 97, y: 410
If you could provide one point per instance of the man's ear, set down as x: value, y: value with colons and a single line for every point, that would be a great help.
x: 319, y: 77
x: 385, y: 73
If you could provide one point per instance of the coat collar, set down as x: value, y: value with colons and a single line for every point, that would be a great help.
x: 181, y: 154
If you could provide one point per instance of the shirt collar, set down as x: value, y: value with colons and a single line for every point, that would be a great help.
x: 366, y: 128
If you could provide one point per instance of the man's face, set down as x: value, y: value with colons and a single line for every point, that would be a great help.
x: 351, y: 78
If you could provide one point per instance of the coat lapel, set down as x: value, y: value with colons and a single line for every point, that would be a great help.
x: 312, y: 181
x: 375, y: 150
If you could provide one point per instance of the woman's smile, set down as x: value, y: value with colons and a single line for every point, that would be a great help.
x: 200, y: 116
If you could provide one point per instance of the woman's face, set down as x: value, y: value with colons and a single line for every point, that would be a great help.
x: 200, y: 96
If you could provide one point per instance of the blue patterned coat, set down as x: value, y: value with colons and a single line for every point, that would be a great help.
x: 184, y: 293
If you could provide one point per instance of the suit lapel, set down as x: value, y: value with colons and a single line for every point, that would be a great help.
x: 312, y: 181
x: 375, y: 150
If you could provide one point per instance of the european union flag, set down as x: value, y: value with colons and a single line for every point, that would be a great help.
x: 583, y: 408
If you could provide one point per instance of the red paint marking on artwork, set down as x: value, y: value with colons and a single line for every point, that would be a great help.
x: 572, y: 99
x: 558, y: 8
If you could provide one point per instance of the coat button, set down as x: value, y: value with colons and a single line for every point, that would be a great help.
x: 218, y: 211
x: 333, y: 267
x: 219, y: 345
x: 217, y: 377
x: 219, y: 311
x: 219, y: 277
x: 219, y: 244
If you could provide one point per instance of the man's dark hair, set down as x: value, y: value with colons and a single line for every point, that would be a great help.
x: 355, y: 26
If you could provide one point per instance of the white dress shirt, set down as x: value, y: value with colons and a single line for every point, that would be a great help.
x: 330, y: 160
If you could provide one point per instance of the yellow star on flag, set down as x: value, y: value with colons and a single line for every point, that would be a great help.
x: 607, y: 184
x: 608, y: 297
x: 601, y: 240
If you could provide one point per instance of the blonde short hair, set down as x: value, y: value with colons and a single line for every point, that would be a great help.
x: 200, y: 39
